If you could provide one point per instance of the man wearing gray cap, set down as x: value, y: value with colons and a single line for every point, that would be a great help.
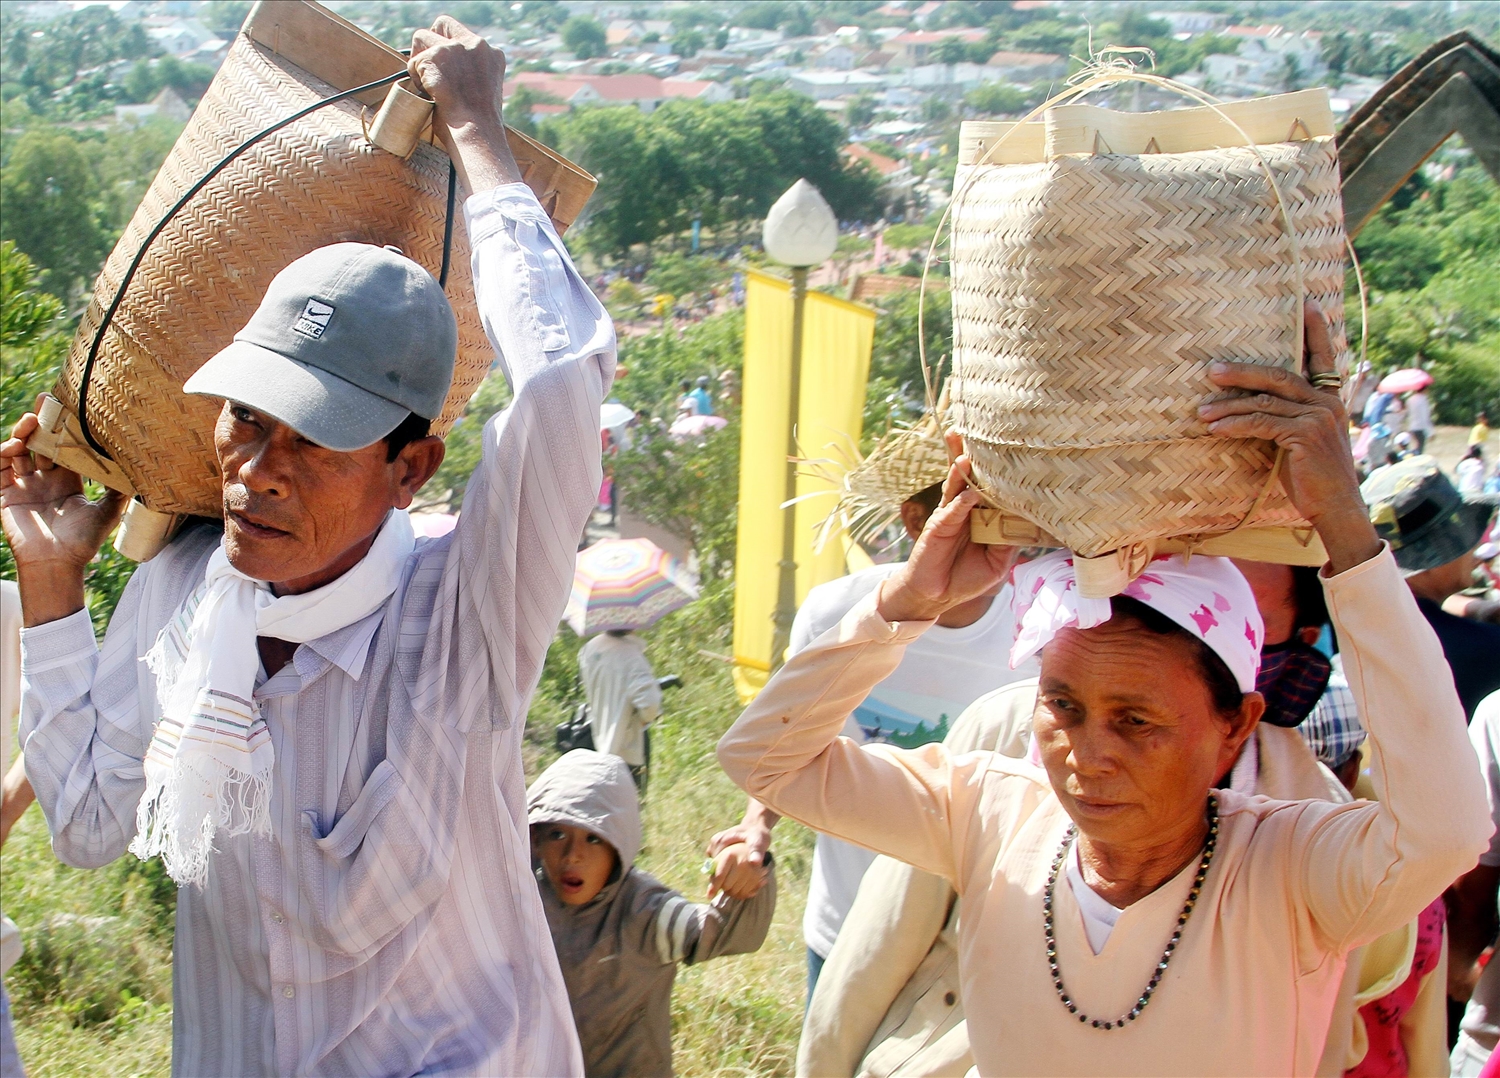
x: 313, y: 717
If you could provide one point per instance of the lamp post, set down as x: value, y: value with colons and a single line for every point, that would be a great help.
x: 801, y: 231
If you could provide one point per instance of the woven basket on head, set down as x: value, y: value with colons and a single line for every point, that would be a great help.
x: 315, y: 182
x: 1100, y: 262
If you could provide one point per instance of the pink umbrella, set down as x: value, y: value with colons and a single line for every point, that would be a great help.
x: 695, y: 426
x: 1406, y: 380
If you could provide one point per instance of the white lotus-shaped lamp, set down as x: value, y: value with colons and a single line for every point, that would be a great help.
x: 801, y: 229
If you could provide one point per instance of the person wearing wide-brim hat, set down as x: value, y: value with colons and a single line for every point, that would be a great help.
x: 1434, y: 531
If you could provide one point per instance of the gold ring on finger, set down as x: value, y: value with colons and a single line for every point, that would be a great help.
x: 1327, y: 380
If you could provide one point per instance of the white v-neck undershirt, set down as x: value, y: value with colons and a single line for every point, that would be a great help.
x: 1099, y: 917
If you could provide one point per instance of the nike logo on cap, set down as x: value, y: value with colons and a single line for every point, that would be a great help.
x: 314, y: 319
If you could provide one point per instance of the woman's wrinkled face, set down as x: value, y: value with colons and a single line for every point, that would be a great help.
x: 578, y: 863
x: 1128, y: 731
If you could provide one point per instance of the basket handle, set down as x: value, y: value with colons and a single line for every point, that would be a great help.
x: 166, y: 219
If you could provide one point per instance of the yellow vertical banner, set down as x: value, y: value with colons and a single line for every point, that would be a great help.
x: 836, y: 340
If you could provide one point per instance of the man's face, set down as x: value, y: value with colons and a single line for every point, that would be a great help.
x: 299, y: 515
x: 578, y: 863
x: 1275, y: 592
x: 1447, y: 579
x: 1128, y: 732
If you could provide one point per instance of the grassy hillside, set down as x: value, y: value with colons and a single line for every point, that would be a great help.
x: 92, y: 994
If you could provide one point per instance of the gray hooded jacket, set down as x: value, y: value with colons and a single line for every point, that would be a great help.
x: 619, y: 952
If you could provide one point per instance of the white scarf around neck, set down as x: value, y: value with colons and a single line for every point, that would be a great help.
x: 208, y: 768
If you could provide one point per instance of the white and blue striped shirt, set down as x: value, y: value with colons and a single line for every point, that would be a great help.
x: 390, y: 924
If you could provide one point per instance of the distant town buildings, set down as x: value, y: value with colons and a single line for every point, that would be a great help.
x: 890, y: 78
x: 645, y: 92
x: 1270, y: 59
x: 168, y: 104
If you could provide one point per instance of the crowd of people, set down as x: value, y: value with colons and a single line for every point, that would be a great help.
x: 1240, y: 818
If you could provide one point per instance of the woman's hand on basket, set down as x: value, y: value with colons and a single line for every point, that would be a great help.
x: 52, y: 528
x: 465, y: 76
x: 1309, y: 424
x: 946, y: 567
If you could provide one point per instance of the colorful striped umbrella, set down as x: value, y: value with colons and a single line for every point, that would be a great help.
x: 626, y: 584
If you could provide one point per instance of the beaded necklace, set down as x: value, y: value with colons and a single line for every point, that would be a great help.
x: 1166, y: 956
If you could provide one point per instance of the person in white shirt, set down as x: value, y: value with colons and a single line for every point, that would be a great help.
x: 941, y: 674
x: 624, y: 697
x: 1470, y: 471
x: 1419, y: 418
x: 324, y: 739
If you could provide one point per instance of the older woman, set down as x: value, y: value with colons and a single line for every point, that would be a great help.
x: 1123, y: 914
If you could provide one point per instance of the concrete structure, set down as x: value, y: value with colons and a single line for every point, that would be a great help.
x: 645, y: 92
x: 1026, y: 68
x: 180, y: 36
x: 915, y: 46
x: 1191, y: 22
x: 1269, y: 59
x: 887, y: 168
x: 826, y: 85
x: 168, y: 104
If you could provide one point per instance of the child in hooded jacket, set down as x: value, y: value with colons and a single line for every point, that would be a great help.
x: 619, y: 932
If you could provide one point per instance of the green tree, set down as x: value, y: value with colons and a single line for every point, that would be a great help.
x: 860, y: 111
x: 33, y: 344
x: 679, y: 274
x: 725, y: 162
x: 935, y: 109
x: 519, y: 107
x: 642, y: 193
x: 1429, y: 259
x: 1399, y: 257
x: 950, y: 50
x: 762, y: 15
x: 46, y: 206
x: 896, y: 389
x: 1291, y: 73
x: 61, y: 66
x: 688, y: 42
x: 1043, y: 35
x: 805, y: 142
x: 1000, y: 99
x: 584, y: 37
x: 225, y: 17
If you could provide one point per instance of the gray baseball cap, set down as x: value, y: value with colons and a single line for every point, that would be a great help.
x: 347, y: 342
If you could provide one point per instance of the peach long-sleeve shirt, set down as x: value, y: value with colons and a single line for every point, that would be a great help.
x: 1295, y: 885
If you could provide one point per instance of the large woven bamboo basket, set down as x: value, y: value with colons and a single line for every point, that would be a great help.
x: 1100, y: 262
x: 315, y: 182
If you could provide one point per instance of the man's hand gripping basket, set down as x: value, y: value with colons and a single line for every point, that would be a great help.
x: 1100, y: 262
x: 119, y: 415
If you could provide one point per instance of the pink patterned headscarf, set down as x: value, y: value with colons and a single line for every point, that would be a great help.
x: 1206, y: 596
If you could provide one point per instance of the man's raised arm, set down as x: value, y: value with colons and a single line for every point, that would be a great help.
x: 526, y: 507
